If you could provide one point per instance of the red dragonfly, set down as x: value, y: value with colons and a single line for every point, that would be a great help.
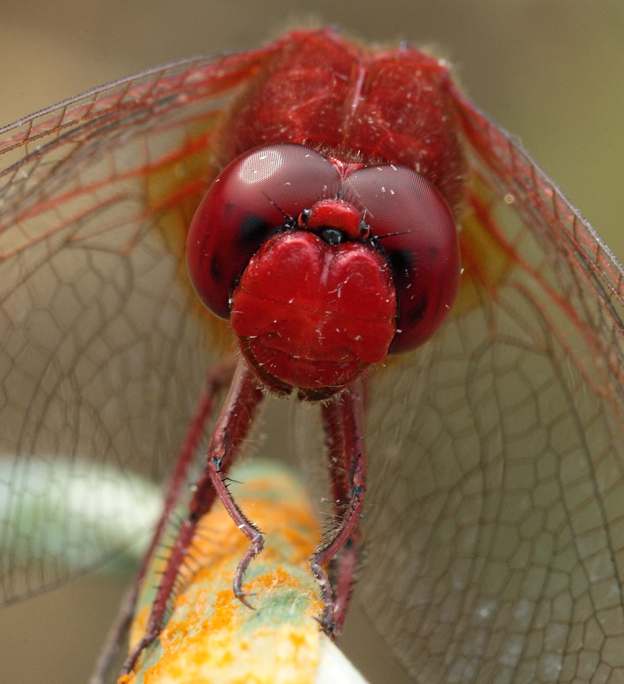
x: 494, y: 426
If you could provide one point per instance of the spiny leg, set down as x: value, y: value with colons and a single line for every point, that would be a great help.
x: 342, y: 420
x: 217, y: 470
x: 232, y: 427
x: 218, y: 378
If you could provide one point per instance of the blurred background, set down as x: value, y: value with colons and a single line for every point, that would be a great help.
x: 549, y: 71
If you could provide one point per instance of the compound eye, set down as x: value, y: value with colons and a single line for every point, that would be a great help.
x: 252, y: 198
x: 415, y: 229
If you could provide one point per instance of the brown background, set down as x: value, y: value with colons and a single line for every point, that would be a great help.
x: 550, y: 71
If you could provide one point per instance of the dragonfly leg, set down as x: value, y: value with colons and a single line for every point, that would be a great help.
x: 218, y: 378
x: 342, y: 419
x: 232, y: 427
x: 217, y: 470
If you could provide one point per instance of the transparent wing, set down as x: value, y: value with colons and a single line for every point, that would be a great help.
x: 103, y: 349
x: 496, y: 519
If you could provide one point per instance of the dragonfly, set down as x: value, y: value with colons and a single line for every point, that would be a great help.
x: 492, y: 516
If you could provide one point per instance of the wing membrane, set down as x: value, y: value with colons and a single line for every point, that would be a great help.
x: 103, y: 347
x: 496, y: 531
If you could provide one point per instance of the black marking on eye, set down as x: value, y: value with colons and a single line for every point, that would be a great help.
x: 215, y: 270
x: 401, y: 263
x: 413, y: 316
x: 253, y: 231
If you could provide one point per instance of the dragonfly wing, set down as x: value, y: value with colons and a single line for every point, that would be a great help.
x: 104, y: 348
x: 495, y: 524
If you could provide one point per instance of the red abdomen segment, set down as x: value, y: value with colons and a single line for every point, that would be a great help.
x: 356, y: 105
